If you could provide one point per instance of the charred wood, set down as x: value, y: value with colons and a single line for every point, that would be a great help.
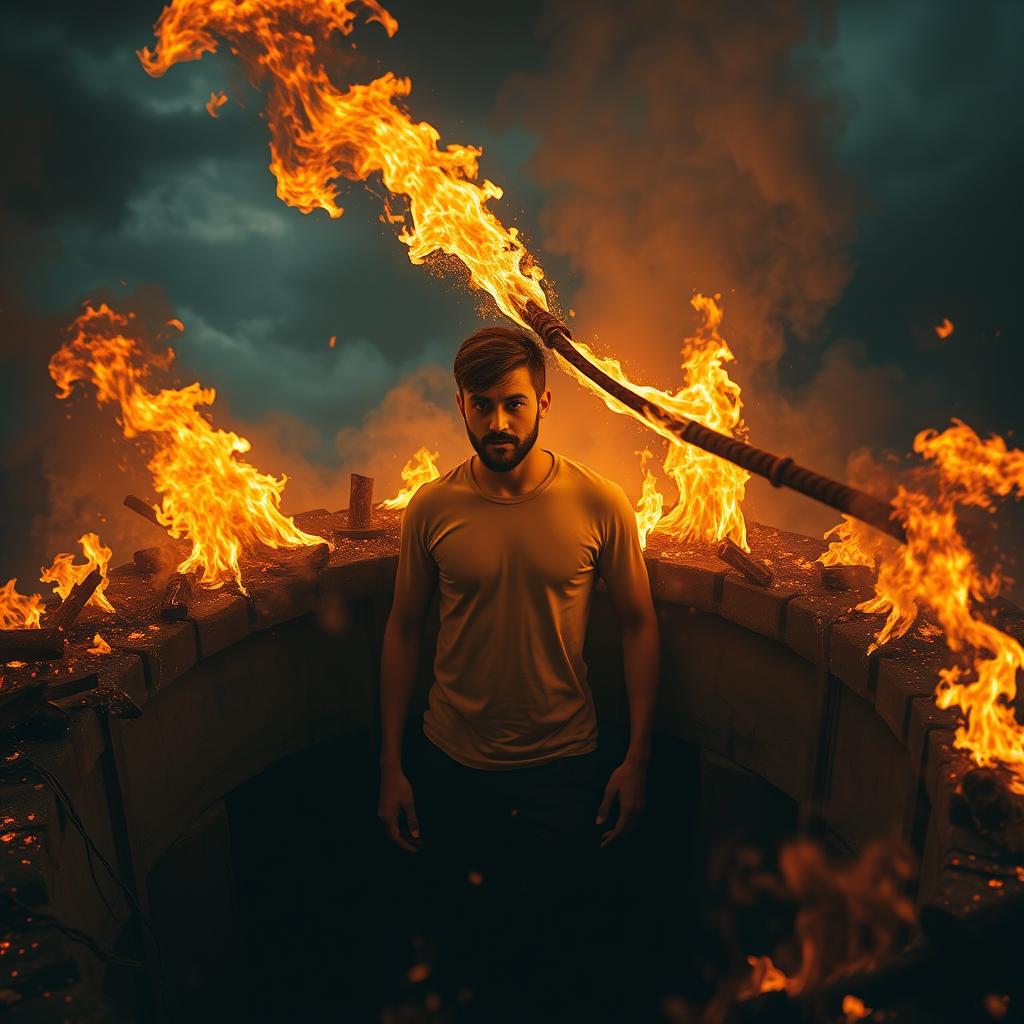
x: 177, y: 598
x: 755, y: 571
x: 67, y: 614
x: 44, y: 644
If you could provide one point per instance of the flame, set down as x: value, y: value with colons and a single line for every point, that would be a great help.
x: 710, y: 489
x: 221, y: 504
x: 320, y: 133
x: 18, y: 611
x: 63, y: 573
x: 937, y: 570
x: 945, y: 329
x: 99, y: 645
x: 764, y: 977
x: 854, y: 1009
x: 648, y: 508
x: 849, y: 918
x: 215, y: 102
x: 415, y: 473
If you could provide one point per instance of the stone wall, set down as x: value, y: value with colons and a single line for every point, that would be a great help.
x: 150, y: 738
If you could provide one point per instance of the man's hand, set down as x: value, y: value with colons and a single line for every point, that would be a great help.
x: 627, y: 784
x: 395, y: 800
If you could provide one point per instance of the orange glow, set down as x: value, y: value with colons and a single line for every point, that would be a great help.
x: 937, y: 570
x: 945, y: 329
x: 710, y: 489
x: 764, y: 977
x: 210, y: 496
x: 415, y: 473
x: 648, y: 508
x: 63, y: 573
x: 333, y: 341
x: 176, y: 324
x: 18, y: 611
x: 215, y: 102
x: 320, y: 132
x: 99, y: 645
x: 854, y: 1009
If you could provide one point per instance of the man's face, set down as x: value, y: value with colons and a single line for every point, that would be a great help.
x: 503, y: 422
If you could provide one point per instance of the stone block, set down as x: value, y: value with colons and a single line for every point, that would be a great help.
x: 739, y: 695
x: 220, y: 617
x: 924, y: 718
x: 871, y: 784
x: 355, y: 580
x: 684, y: 576
x: 848, y: 653
x: 760, y: 609
x: 901, y: 680
x: 809, y: 618
x: 273, y: 601
x: 167, y: 649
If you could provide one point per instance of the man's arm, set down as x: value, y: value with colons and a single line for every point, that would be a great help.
x: 629, y: 588
x: 414, y: 586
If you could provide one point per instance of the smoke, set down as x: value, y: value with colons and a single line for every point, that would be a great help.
x: 683, y: 148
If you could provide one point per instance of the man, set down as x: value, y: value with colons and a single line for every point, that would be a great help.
x: 511, y: 789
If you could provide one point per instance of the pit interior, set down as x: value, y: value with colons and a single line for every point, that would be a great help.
x: 226, y: 767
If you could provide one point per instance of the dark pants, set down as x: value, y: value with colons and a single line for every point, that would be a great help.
x: 513, y: 863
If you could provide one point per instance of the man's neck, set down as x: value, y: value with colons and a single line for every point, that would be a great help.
x: 526, y: 477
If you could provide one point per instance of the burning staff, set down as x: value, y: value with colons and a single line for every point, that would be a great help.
x: 779, y: 471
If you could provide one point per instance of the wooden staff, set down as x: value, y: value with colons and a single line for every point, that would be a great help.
x: 779, y: 471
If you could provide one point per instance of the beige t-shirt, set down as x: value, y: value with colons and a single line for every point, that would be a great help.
x: 516, y: 577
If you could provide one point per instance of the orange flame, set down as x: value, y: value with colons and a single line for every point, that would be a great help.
x: 63, y: 573
x: 99, y: 645
x: 18, y: 611
x: 936, y: 569
x: 648, y: 508
x: 215, y: 102
x: 210, y: 496
x: 764, y: 977
x: 710, y: 489
x: 320, y: 133
x: 416, y: 472
x: 945, y: 329
x: 854, y: 1009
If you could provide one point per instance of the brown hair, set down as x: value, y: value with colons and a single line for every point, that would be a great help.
x: 490, y: 354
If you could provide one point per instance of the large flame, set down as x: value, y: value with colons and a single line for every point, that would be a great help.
x: 420, y: 469
x: 210, y: 496
x: 63, y: 573
x: 19, y: 611
x: 936, y: 569
x: 710, y: 489
x: 320, y: 132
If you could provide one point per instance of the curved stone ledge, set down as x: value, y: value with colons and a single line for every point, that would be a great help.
x: 778, y: 680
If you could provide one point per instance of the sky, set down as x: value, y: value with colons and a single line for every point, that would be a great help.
x: 844, y: 176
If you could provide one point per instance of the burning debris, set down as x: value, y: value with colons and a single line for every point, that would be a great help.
x: 223, y: 506
x: 936, y: 569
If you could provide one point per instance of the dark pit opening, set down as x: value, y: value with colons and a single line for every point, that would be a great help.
x: 311, y: 914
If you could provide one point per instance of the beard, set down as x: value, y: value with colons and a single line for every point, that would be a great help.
x: 501, y: 460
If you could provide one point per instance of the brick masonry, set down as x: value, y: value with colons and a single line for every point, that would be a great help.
x: 148, y: 739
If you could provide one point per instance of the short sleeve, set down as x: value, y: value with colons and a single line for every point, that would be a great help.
x: 417, y: 569
x: 621, y: 560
